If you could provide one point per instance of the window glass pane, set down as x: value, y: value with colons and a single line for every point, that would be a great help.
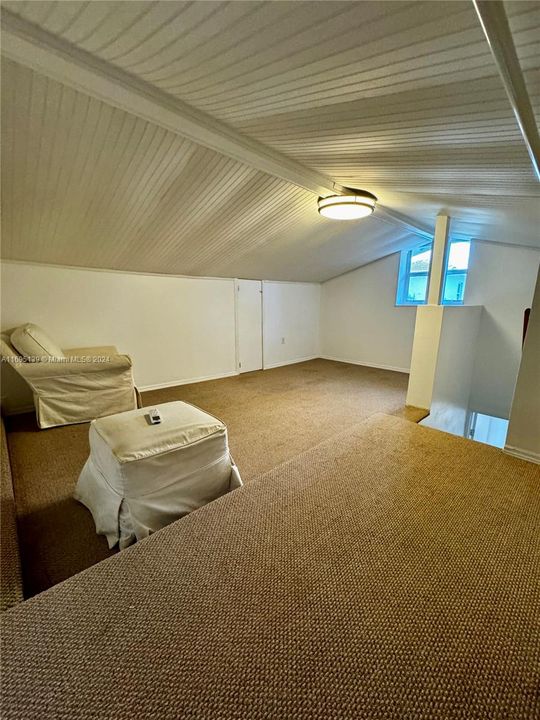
x: 458, y: 257
x: 456, y: 272
x: 420, y: 260
x: 417, y: 289
x: 413, y: 275
x: 454, y: 287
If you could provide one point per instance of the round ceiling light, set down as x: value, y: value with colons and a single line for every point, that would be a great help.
x: 353, y: 205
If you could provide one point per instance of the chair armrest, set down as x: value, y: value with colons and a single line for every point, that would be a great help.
x: 63, y: 368
x: 91, y: 351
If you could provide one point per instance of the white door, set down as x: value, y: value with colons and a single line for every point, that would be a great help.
x: 249, y: 325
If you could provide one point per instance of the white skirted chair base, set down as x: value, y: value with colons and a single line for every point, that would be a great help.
x: 68, y: 386
x: 140, y: 477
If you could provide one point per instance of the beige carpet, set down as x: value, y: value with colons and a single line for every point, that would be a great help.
x: 389, y: 573
x: 10, y: 568
x: 271, y: 416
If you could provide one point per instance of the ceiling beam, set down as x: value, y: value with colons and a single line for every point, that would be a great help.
x: 492, y: 16
x: 49, y: 55
x: 43, y: 52
x: 393, y: 217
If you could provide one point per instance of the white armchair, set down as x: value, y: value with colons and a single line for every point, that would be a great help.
x: 71, y: 386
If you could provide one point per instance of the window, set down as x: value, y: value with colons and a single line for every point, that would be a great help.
x: 414, y: 276
x: 414, y: 268
x: 455, y: 275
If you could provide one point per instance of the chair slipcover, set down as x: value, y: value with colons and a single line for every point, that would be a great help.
x: 31, y: 342
x: 78, y: 386
x: 140, y: 477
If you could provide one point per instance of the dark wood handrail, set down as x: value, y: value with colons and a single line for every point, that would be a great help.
x: 526, y: 315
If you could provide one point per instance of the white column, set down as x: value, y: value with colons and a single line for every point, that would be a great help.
x: 425, y: 352
x: 427, y: 330
x: 438, y: 255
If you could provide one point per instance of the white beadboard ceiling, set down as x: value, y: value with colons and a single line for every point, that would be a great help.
x: 400, y: 98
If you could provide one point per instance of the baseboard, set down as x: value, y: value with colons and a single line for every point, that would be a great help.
x: 367, y: 364
x: 523, y: 454
x: 204, y: 378
x: 18, y: 411
x: 174, y: 383
x: 291, y: 362
x: 141, y: 388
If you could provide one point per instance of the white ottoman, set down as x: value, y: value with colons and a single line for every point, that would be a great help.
x: 140, y: 477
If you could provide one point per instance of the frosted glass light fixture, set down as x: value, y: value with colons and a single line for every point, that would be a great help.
x: 354, y: 204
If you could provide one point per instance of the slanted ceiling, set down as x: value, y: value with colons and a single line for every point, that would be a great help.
x: 402, y: 99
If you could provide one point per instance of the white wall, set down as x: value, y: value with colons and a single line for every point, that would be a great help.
x: 524, y: 428
x: 502, y: 279
x: 454, y: 367
x: 360, y: 322
x: 176, y: 329
x: 183, y: 329
x: 291, y: 315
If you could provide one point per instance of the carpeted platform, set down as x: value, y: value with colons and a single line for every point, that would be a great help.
x: 390, y: 572
x: 271, y: 417
x: 10, y: 568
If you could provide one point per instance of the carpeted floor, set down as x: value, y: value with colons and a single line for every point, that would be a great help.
x: 389, y: 573
x: 272, y: 416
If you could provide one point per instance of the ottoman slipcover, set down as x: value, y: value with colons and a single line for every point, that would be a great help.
x: 140, y: 477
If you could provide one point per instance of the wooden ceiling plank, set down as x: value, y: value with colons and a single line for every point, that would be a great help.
x: 33, y: 47
x: 495, y: 25
x: 46, y: 54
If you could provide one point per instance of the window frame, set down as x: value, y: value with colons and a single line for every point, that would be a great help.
x: 448, y: 272
x: 404, y: 275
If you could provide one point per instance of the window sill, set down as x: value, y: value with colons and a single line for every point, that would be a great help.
x: 410, y: 305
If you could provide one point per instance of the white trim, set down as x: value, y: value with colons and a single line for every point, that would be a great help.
x: 522, y: 454
x: 36, y: 263
x: 294, y: 282
x: 18, y: 411
x: 263, y: 367
x: 233, y: 373
x: 236, y: 289
x: 291, y: 362
x: 141, y: 388
x: 366, y: 364
x: 82, y: 268
x: 189, y: 381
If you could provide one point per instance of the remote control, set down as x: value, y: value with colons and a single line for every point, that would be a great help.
x: 154, y: 416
